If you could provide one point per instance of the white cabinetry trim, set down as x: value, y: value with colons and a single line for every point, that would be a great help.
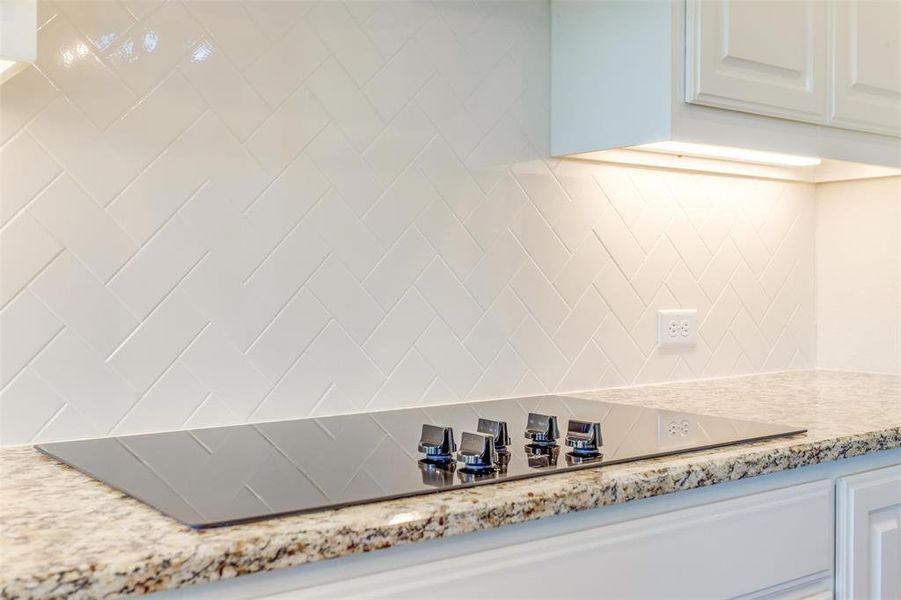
x: 730, y: 63
x: 868, y: 535
x: 865, y: 66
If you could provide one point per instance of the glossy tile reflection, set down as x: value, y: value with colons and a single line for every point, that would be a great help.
x: 207, y: 477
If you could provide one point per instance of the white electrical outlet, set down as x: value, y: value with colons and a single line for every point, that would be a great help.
x: 677, y: 327
x: 675, y: 430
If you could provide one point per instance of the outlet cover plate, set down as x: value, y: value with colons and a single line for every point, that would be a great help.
x: 677, y: 327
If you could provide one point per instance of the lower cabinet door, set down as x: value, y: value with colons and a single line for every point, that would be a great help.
x: 775, y: 544
x: 868, y: 535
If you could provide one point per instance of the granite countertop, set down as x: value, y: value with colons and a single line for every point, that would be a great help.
x: 65, y: 535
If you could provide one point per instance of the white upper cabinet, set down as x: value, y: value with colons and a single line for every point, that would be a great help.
x: 865, y: 46
x: 767, y: 58
x: 835, y: 63
x: 808, y: 78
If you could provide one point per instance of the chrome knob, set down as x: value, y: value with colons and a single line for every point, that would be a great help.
x: 437, y: 443
x: 498, y: 432
x: 542, y: 429
x: 584, y: 437
x: 477, y: 452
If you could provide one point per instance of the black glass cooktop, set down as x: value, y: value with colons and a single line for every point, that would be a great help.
x: 224, y: 475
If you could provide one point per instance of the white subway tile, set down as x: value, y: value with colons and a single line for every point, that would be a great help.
x: 537, y: 293
x: 167, y: 405
x: 349, y: 238
x: 399, y: 79
x: 580, y: 325
x: 155, y: 344
x: 458, y: 129
x: 158, y: 267
x: 280, y: 139
x: 496, y: 269
x: 284, y: 65
x: 68, y: 60
x: 65, y: 134
x: 492, y: 216
x: 226, y: 372
x: 348, y: 173
x: 450, y: 359
x: 539, y: 352
x: 447, y: 295
x: 495, y: 327
x: 76, y: 372
x: 399, y: 267
x: 619, y: 348
x: 448, y: 175
x: 84, y: 304
x: 347, y: 105
x: 334, y: 360
x: 395, y: 335
x: 25, y: 249
x: 23, y: 97
x: 653, y: 272
x: 27, y: 404
x: 581, y: 269
x: 224, y: 89
x: 448, y: 236
x: 288, y: 335
x: 290, y: 197
x: 345, y: 40
x: 406, y: 384
x: 587, y: 370
x: 540, y: 241
x: 27, y: 327
x: 151, y: 126
x: 242, y: 40
x: 25, y: 169
x: 401, y: 203
x: 103, y: 24
x: 86, y: 230
x: 501, y: 376
x: 399, y: 143
x: 347, y: 300
x: 150, y: 51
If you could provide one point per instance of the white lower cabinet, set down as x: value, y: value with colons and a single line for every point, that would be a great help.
x: 774, y: 544
x: 868, y: 535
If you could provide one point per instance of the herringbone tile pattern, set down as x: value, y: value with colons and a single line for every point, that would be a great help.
x: 215, y: 212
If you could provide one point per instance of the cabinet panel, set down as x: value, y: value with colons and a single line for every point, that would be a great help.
x: 771, y: 544
x: 868, y: 535
x: 762, y: 57
x: 866, y: 64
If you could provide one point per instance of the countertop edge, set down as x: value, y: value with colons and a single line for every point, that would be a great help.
x: 472, y: 511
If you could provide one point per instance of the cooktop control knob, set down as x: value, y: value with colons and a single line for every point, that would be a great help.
x: 437, y: 443
x: 477, y: 452
x: 542, y: 429
x: 498, y: 432
x: 584, y: 437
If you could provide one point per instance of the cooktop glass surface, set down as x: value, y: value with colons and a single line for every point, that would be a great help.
x: 224, y: 475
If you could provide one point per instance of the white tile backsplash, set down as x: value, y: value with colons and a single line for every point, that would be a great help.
x: 216, y: 212
x: 859, y: 275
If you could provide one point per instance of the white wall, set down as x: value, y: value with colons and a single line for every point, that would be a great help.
x: 859, y: 275
x: 215, y: 212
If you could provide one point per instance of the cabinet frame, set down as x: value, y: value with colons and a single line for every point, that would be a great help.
x: 856, y: 498
x: 816, y: 76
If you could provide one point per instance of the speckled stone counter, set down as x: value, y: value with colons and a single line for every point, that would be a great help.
x: 64, y: 535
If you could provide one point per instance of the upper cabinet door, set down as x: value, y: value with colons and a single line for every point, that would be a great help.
x: 866, y: 62
x: 767, y: 58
